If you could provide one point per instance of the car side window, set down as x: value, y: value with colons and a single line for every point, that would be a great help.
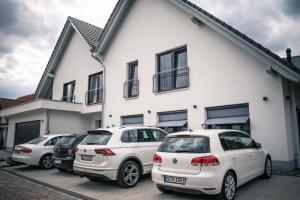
x: 224, y: 143
x: 133, y: 136
x: 145, y: 135
x: 53, y: 141
x: 233, y: 141
x: 158, y: 135
x: 247, y: 141
x: 125, y: 136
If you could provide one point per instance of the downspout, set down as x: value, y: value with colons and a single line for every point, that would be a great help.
x: 47, y: 122
x: 101, y: 61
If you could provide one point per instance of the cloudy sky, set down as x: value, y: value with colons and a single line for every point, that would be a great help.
x: 29, y: 30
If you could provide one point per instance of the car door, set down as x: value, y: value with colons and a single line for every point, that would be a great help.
x: 238, y: 155
x: 49, y: 146
x: 146, y: 148
x: 256, y: 155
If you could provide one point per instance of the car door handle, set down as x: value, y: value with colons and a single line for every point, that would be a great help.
x: 250, y: 155
x: 233, y: 158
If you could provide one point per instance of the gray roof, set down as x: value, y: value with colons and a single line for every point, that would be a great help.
x: 241, y: 35
x: 89, y: 32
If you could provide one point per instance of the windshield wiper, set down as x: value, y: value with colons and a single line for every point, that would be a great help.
x: 92, y: 143
x: 184, y: 151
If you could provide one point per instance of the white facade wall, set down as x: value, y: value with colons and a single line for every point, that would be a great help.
x: 221, y: 73
x: 61, y: 122
x: 77, y: 64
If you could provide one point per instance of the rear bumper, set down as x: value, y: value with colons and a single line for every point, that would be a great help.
x: 206, y: 183
x: 109, y: 174
x: 65, y: 163
x: 25, y: 159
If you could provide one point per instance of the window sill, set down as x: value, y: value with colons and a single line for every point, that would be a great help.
x: 129, y: 98
x: 94, y: 104
x: 173, y: 90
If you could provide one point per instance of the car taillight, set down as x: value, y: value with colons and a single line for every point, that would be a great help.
x: 205, y: 161
x: 26, y: 150
x: 157, y: 159
x: 105, y: 152
x: 71, y: 151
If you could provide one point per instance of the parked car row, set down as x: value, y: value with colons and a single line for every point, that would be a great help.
x: 213, y: 162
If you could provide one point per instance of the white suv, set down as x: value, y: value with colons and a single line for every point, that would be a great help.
x: 209, y: 161
x: 122, y: 154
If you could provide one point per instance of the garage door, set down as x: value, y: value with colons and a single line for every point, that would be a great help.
x: 27, y: 131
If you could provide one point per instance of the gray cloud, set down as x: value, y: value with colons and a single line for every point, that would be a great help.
x: 291, y: 7
x: 17, y: 22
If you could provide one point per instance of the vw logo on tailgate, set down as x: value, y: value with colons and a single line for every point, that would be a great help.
x: 174, y: 160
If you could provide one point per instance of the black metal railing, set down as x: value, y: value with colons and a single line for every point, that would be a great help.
x: 131, y: 88
x: 94, y: 96
x: 171, y: 80
x: 68, y: 98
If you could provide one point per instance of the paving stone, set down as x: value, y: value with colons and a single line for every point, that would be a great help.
x: 16, y: 188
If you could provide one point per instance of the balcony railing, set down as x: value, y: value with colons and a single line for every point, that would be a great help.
x: 131, y: 89
x: 68, y: 98
x: 94, y: 96
x: 171, y: 80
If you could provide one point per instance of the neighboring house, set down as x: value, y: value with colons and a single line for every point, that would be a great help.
x: 6, y: 103
x: 180, y: 68
x: 69, y: 96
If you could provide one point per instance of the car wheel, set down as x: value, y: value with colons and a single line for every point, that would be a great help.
x: 162, y: 189
x: 47, y: 161
x: 268, y: 168
x: 228, y: 187
x: 129, y: 174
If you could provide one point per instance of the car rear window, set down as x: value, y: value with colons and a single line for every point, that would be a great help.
x: 37, y: 140
x: 97, y: 138
x: 66, y: 140
x: 185, y: 144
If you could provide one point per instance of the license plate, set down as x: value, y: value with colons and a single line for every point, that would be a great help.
x: 57, y: 161
x: 174, y: 179
x: 86, y: 157
x: 17, y: 152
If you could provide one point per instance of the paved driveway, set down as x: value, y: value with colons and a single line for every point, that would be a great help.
x: 278, y: 187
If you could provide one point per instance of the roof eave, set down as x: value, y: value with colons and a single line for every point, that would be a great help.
x: 268, y: 60
x: 113, y: 24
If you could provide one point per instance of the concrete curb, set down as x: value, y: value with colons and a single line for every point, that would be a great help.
x: 49, y: 186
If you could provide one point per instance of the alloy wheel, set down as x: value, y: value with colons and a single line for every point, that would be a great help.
x: 131, y: 174
x: 268, y: 167
x: 230, y: 187
x: 47, y: 162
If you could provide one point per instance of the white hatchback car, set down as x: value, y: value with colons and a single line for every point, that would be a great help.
x: 122, y: 154
x: 37, y: 152
x: 213, y: 162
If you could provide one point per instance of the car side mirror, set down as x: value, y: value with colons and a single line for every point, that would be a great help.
x: 258, y: 145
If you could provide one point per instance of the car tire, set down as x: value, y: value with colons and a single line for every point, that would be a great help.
x: 47, y: 161
x: 162, y: 189
x: 268, y: 168
x: 129, y: 174
x: 228, y: 187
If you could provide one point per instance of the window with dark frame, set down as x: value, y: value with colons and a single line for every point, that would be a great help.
x: 131, y: 86
x: 172, y: 70
x: 68, y: 92
x: 94, y: 94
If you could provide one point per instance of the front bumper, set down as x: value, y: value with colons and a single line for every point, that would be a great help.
x: 207, y: 183
x: 108, y: 174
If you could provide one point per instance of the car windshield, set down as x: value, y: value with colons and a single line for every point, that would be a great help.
x: 97, y: 138
x: 185, y: 144
x: 37, y: 140
x: 66, y: 140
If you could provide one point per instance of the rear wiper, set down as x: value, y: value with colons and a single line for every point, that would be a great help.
x: 92, y: 143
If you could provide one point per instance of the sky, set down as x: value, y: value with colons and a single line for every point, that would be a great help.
x: 29, y: 30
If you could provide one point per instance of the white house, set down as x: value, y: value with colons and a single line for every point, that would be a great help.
x: 170, y: 64
x: 69, y: 96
